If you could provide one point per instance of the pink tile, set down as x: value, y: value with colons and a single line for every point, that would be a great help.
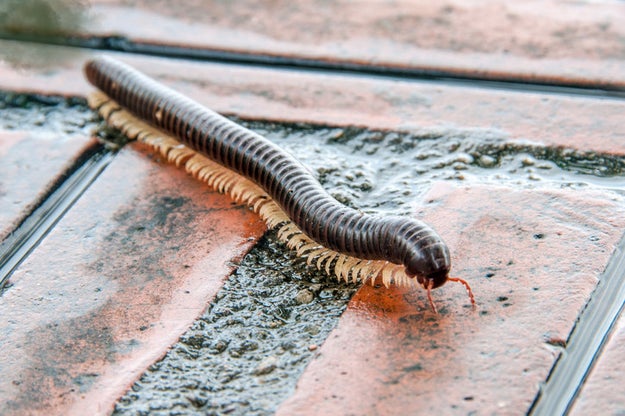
x: 532, y: 257
x: 276, y: 95
x: 30, y: 164
x: 548, y: 41
x: 114, y: 285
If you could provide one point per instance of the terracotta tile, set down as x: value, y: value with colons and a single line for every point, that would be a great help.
x: 280, y: 95
x: 545, y: 41
x: 604, y: 390
x: 114, y: 285
x: 532, y: 257
x: 31, y: 162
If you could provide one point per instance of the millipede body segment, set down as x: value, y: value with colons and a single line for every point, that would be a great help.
x: 257, y: 172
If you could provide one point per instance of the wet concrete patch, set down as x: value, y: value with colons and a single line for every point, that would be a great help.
x: 242, y: 355
x: 63, y: 115
x: 390, y: 171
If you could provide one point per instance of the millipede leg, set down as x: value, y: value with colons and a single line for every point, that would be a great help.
x: 466, y: 285
x: 429, y: 288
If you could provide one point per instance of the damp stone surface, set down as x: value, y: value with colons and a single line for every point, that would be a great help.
x: 53, y: 114
x: 389, y: 172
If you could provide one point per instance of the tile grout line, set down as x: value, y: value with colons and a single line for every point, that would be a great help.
x: 588, y: 337
x: 347, y: 68
x: 20, y: 243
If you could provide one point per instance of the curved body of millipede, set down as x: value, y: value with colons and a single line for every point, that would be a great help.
x: 277, y: 186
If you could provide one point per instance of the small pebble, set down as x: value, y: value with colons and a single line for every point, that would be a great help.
x: 464, y: 158
x: 266, y: 366
x: 304, y: 296
x: 487, y: 161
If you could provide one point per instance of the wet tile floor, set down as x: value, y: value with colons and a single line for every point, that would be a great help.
x: 131, y: 288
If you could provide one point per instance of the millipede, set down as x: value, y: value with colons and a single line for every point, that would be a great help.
x: 339, y: 240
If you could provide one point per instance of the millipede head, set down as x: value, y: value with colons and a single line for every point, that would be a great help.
x: 436, y: 279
